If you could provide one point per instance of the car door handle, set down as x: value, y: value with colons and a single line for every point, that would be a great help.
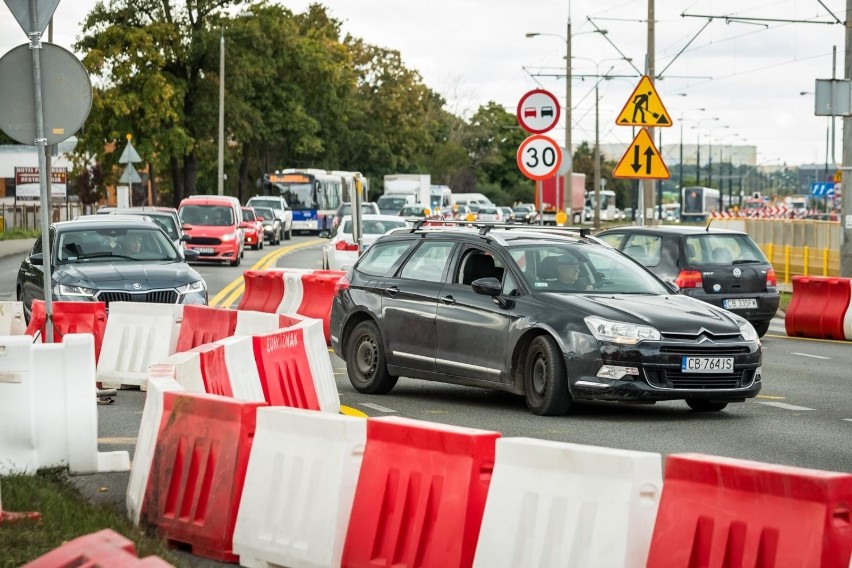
x: 448, y: 300
x: 392, y: 290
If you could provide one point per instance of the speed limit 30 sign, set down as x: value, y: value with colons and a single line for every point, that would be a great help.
x: 539, y: 157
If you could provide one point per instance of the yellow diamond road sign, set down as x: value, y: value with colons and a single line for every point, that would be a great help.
x: 644, y: 107
x: 642, y: 160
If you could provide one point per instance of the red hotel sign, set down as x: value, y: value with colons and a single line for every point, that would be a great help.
x: 27, y: 184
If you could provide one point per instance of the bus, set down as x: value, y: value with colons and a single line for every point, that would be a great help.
x: 312, y: 194
x: 607, y: 200
x: 697, y: 203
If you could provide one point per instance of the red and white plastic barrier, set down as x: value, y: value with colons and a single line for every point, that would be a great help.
x: 205, y: 324
x: 299, y: 488
x: 821, y: 308
x: 12, y: 320
x: 70, y: 317
x: 104, y: 549
x: 50, y: 415
x: 560, y: 504
x: 137, y: 335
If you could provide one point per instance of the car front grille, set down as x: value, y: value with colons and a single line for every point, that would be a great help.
x: 672, y: 379
x: 152, y: 297
x: 204, y: 241
x: 709, y: 351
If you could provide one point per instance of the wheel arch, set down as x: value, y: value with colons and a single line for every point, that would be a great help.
x: 351, y: 323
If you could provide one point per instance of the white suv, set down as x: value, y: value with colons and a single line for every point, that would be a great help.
x: 282, y: 212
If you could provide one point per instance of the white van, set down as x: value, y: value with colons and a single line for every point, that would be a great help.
x: 470, y: 198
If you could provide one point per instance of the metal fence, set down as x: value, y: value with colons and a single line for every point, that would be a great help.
x: 28, y: 216
x: 794, y: 246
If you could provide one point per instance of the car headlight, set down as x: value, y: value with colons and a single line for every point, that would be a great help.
x: 77, y: 291
x: 746, y: 329
x: 621, y: 332
x: 229, y: 237
x: 195, y: 287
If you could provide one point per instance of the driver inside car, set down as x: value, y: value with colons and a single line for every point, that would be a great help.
x: 568, y: 273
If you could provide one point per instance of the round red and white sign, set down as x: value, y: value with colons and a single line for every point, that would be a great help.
x: 538, y: 111
x: 539, y: 157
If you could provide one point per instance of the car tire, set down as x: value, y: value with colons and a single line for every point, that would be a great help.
x: 699, y: 405
x: 761, y: 327
x: 236, y: 262
x: 545, y: 378
x: 289, y: 234
x: 365, y: 360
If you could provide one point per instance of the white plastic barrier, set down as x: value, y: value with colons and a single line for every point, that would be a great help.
x: 293, y: 292
x: 321, y: 368
x: 48, y: 408
x: 242, y: 369
x: 252, y: 323
x: 847, y: 332
x: 299, y: 488
x: 137, y: 335
x: 12, y: 320
x: 561, y: 504
x: 160, y: 379
x: 187, y: 365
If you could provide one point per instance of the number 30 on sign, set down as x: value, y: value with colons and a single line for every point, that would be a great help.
x: 539, y: 157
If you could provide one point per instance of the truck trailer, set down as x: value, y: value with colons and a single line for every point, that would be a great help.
x: 549, y: 201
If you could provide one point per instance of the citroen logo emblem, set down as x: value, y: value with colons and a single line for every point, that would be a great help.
x: 137, y: 286
x: 738, y: 272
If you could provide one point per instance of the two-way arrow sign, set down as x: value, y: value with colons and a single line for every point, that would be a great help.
x: 652, y: 167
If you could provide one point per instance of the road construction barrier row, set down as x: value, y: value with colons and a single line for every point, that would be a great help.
x: 265, y: 485
x: 49, y: 415
x: 820, y: 308
x: 12, y: 320
x: 300, y: 291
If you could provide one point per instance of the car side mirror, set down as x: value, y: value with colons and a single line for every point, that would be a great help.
x: 674, y: 287
x: 487, y: 286
x: 185, y: 238
x: 37, y: 259
x: 191, y: 254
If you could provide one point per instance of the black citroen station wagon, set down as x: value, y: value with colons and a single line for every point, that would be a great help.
x: 549, y: 314
x: 721, y: 267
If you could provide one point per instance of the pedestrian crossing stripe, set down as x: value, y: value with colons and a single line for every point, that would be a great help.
x: 642, y: 160
x: 644, y: 107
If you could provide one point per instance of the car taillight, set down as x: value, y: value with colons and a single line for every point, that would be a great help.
x: 341, y: 284
x: 771, y: 279
x: 343, y: 245
x: 689, y: 279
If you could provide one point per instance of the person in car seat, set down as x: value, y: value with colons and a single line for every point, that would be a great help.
x: 568, y: 273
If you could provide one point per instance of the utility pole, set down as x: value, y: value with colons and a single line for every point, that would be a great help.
x: 597, y: 170
x: 846, y: 207
x: 648, y: 184
x: 569, y: 175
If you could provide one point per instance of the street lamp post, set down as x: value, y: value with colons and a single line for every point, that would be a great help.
x: 697, y: 129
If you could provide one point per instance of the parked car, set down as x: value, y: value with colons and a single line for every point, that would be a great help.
x: 554, y: 317
x: 271, y: 224
x: 508, y: 214
x: 252, y: 228
x: 720, y: 267
x: 367, y: 208
x: 341, y: 252
x: 282, y: 212
x: 417, y: 211
x: 102, y: 260
x: 213, y: 225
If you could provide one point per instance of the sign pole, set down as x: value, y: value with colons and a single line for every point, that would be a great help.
x: 44, y: 173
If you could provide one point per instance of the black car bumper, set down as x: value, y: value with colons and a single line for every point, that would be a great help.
x: 767, y: 303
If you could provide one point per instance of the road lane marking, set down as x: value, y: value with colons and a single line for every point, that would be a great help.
x: 839, y: 341
x: 349, y: 411
x: 808, y: 355
x: 784, y: 405
x: 848, y: 419
x: 768, y: 397
x: 378, y: 407
x: 118, y: 440
x: 228, y: 295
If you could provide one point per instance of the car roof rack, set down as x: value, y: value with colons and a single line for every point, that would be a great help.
x: 486, y: 226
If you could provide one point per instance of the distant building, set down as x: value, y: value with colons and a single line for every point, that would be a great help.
x: 737, y: 154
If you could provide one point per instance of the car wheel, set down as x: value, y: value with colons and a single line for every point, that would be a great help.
x: 761, y: 327
x: 365, y: 361
x: 545, y: 378
x: 289, y: 234
x: 699, y: 405
x: 236, y: 262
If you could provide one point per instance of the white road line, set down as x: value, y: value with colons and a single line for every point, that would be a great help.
x: 807, y: 355
x: 848, y: 419
x: 783, y: 405
x: 378, y: 407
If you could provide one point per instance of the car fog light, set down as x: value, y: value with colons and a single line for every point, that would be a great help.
x: 757, y: 375
x: 616, y: 372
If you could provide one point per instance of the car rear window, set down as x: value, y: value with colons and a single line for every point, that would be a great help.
x: 381, y: 257
x: 721, y: 249
x: 373, y: 227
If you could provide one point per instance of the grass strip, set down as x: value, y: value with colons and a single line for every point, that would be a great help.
x: 65, y: 515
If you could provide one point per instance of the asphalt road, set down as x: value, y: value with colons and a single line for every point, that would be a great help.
x: 803, y: 416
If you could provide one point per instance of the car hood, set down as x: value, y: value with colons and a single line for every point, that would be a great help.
x: 667, y: 313
x: 117, y: 276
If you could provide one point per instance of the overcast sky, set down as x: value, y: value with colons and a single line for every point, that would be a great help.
x: 749, y: 76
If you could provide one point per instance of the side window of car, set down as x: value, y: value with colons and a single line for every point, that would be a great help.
x: 510, y: 286
x: 428, y: 261
x: 478, y: 263
x: 37, y: 245
x: 645, y: 249
x: 612, y: 239
x: 382, y: 257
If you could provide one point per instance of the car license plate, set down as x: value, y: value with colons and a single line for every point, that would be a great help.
x: 740, y: 304
x: 205, y: 250
x: 706, y: 364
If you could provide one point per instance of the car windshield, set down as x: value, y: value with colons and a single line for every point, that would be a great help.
x: 593, y: 269
x: 270, y: 203
x: 114, y: 244
x: 265, y: 212
x: 415, y: 210
x: 373, y: 227
x: 487, y: 211
x: 207, y: 215
x: 715, y: 248
x: 248, y: 215
x: 386, y: 202
x: 521, y: 209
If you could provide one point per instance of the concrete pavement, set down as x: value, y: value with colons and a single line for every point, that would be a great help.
x: 12, y: 247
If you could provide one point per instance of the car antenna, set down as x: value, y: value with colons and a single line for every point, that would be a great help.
x: 707, y: 228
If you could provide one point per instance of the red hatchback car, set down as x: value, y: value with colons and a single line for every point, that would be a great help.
x: 253, y: 228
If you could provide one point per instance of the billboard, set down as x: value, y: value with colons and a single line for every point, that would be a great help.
x: 27, y: 184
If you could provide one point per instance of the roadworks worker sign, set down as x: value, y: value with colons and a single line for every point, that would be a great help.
x: 644, y: 107
x: 642, y: 160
